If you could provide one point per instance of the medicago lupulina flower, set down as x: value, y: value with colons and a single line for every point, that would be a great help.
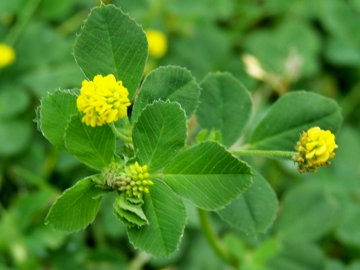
x: 136, y: 180
x: 102, y: 100
x: 7, y: 55
x: 133, y: 180
x: 157, y: 43
x: 315, y: 147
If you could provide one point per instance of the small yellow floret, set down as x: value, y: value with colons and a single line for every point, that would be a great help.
x: 130, y: 183
x: 157, y: 43
x: 7, y: 55
x: 315, y: 148
x: 102, y: 100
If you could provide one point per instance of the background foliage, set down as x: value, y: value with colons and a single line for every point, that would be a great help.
x: 301, y: 45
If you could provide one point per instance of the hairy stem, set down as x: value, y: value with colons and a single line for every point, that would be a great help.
x: 120, y: 135
x: 139, y: 261
x: 265, y: 153
x: 214, y: 241
x: 72, y: 24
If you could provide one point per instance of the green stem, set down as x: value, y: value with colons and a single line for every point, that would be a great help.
x: 139, y: 261
x: 119, y: 134
x: 23, y: 21
x: 31, y: 177
x: 214, y: 241
x: 265, y: 153
x: 50, y: 163
x: 72, y: 24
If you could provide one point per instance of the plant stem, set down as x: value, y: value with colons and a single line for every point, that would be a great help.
x: 50, y: 163
x: 23, y: 21
x: 265, y: 153
x: 214, y: 241
x: 139, y: 261
x: 31, y: 177
x: 120, y: 135
x: 72, y: 24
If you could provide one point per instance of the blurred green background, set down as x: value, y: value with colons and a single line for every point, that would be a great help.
x: 300, y: 44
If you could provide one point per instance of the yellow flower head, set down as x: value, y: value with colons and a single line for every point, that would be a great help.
x: 157, y: 43
x: 7, y: 55
x: 315, y: 148
x: 102, y: 100
x: 135, y: 182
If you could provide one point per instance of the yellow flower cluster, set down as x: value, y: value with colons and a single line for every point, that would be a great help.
x: 135, y: 181
x: 315, y: 148
x: 157, y: 43
x: 7, y: 55
x: 103, y: 100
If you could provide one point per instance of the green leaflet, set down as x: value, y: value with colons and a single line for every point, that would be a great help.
x: 293, y: 113
x: 348, y: 229
x: 112, y: 43
x: 208, y: 175
x: 317, y: 208
x: 168, y: 83
x: 167, y: 217
x: 15, y: 135
x: 298, y: 256
x: 256, y: 259
x: 9, y: 108
x: 76, y: 208
x: 342, y: 47
x: 54, y: 114
x: 254, y: 210
x: 225, y: 106
x: 159, y: 134
x: 129, y: 212
x: 94, y: 146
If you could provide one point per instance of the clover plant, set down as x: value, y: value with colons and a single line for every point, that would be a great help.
x: 136, y: 132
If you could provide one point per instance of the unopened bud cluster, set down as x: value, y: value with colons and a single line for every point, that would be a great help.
x: 134, y: 181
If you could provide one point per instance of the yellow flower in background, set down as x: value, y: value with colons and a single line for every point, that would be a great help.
x: 157, y: 43
x: 315, y: 148
x: 7, y: 55
x: 102, y: 100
